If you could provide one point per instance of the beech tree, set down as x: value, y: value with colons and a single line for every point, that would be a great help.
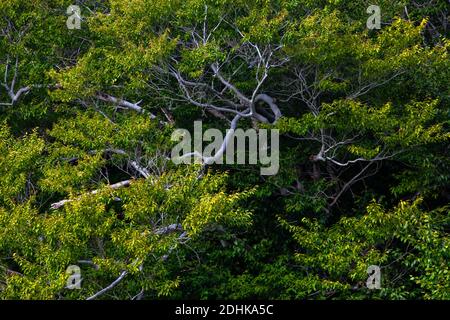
x: 86, y: 176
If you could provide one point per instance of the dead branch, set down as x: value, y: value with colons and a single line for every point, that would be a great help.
x: 122, y: 184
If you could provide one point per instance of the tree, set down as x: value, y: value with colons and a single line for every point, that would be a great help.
x: 87, y: 115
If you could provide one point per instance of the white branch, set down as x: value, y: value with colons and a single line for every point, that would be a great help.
x: 143, y: 171
x: 222, y: 149
x: 228, y: 85
x: 169, y: 229
x: 365, y: 89
x: 182, y: 83
x: 112, y: 285
x: 60, y: 204
x: 123, y: 103
x: 273, y: 106
x: 161, y: 231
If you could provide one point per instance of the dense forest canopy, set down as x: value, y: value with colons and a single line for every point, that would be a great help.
x: 89, y: 101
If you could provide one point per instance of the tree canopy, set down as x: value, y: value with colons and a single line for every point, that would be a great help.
x: 86, y: 123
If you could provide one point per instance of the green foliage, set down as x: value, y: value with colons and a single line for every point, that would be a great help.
x: 406, y: 238
x: 90, y: 229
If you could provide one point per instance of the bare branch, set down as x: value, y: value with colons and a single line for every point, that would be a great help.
x: 14, y: 96
x: 273, y: 106
x: 122, y: 184
x: 348, y: 184
x: 244, y: 100
x: 169, y: 229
